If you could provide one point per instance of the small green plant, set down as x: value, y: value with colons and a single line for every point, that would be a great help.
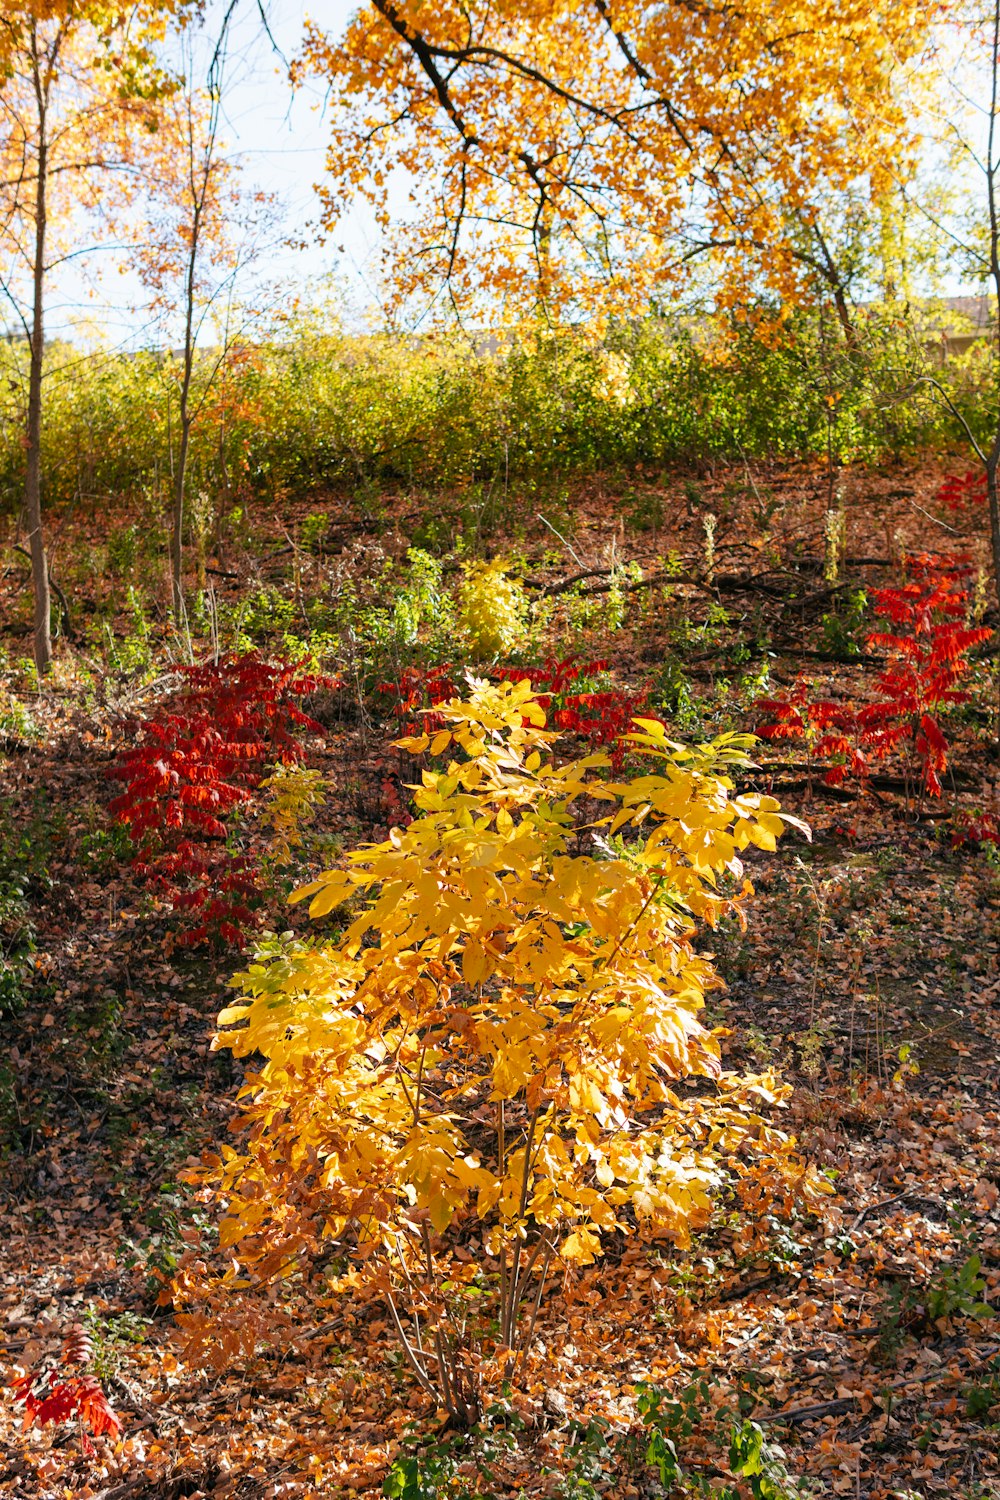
x: 843, y: 627
x: 99, y: 1039
x: 27, y: 674
x: 198, y: 613
x: 760, y: 1463
x: 233, y: 523
x: 687, y: 633
x: 615, y: 609
x: 376, y: 639
x: 106, y: 848
x: 436, y: 533
x: 262, y: 616
x: 10, y: 1116
x: 460, y: 1465
x: 759, y: 1046
x: 132, y: 654
x: 367, y: 498
x: 421, y: 600
x: 766, y: 504
x: 810, y: 1044
x: 670, y: 1423
x: 109, y: 1333
x: 671, y: 690
x: 480, y: 513
x: 25, y: 850
x: 17, y: 947
x: 955, y: 1291
x: 592, y: 1458
x: 646, y: 513
x: 173, y: 1222
x: 16, y: 722
x: 314, y: 531
x: 982, y: 1395
x: 409, y: 1479
x: 123, y: 550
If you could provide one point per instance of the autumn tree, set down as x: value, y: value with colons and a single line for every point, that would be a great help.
x: 961, y: 129
x: 79, y: 82
x: 563, y: 153
x: 199, y: 232
x: 484, y: 1074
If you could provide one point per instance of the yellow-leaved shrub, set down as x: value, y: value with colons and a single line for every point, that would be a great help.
x: 294, y: 794
x: 492, y: 609
x: 491, y: 1057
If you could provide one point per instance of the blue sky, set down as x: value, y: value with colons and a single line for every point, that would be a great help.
x: 279, y: 138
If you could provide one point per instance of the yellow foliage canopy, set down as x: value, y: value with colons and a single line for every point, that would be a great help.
x: 498, y: 1043
x: 571, y: 151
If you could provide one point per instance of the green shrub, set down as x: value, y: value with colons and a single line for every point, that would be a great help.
x: 316, y: 410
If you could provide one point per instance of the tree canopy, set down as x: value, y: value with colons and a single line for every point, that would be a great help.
x: 568, y: 154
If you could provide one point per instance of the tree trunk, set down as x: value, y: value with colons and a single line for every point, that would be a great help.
x: 844, y: 316
x: 33, y: 431
x: 993, y: 496
x: 830, y: 272
x: 177, y: 530
x: 993, y: 456
x: 180, y: 477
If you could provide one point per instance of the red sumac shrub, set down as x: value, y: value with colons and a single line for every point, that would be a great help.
x: 414, y: 692
x: 46, y: 1398
x: 927, y: 646
x: 201, y: 755
x: 49, y: 1395
x: 601, y: 718
x: 973, y: 827
x: 959, y: 491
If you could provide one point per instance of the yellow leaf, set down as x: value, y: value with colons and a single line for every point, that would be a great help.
x: 440, y: 1212
x: 333, y: 894
x: 330, y: 881
x: 230, y: 1231
x: 233, y: 1013
x: 581, y: 1246
x: 473, y: 963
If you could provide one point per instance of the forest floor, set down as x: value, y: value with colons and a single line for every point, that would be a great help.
x: 865, y: 1342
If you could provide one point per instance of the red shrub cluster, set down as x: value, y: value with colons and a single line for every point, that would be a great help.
x: 46, y: 1398
x: 554, y: 677
x: 962, y: 490
x: 975, y: 828
x: 601, y: 719
x: 417, y: 690
x: 199, y: 757
x: 927, y: 647
x: 50, y: 1396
